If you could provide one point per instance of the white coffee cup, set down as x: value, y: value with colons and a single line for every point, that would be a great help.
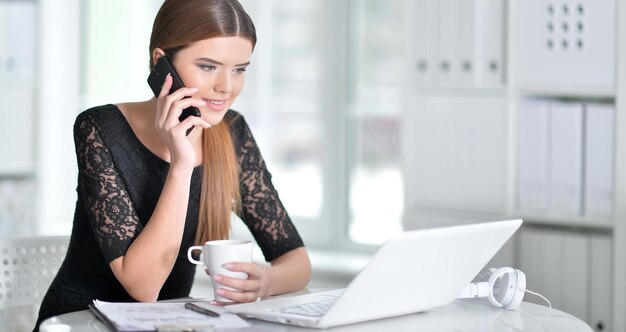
x: 216, y: 254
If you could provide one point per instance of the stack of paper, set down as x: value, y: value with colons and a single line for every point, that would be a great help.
x: 161, y: 316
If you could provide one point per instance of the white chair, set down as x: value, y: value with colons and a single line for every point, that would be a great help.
x: 27, y: 267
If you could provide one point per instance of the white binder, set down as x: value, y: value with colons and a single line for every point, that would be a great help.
x: 444, y: 66
x: 599, y: 150
x: 533, y: 157
x: 432, y: 24
x: 422, y: 43
x: 574, y: 281
x: 465, y: 58
x: 491, y: 58
x: 600, y: 294
x: 566, y: 146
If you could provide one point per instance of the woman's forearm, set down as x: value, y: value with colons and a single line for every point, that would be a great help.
x: 150, y: 258
x: 290, y: 272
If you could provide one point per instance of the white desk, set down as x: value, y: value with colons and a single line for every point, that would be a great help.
x: 461, y: 315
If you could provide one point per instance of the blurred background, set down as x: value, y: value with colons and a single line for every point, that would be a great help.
x: 374, y: 117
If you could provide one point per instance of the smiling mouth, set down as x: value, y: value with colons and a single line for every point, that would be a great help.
x: 215, y: 105
x: 214, y: 102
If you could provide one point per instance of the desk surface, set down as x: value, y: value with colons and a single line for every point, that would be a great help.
x: 461, y: 315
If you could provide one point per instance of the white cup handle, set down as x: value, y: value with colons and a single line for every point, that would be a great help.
x: 190, y: 258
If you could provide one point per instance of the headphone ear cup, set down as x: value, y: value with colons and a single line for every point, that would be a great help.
x: 507, y: 288
x: 518, y: 291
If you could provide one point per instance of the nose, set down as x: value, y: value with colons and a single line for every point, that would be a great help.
x: 223, y: 83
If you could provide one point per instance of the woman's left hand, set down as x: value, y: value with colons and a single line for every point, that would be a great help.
x: 247, y: 290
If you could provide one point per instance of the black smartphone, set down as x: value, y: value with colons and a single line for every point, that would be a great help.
x: 157, y: 78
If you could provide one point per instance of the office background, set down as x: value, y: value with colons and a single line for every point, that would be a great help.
x: 374, y: 116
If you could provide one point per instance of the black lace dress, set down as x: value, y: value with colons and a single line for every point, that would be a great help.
x: 119, y: 183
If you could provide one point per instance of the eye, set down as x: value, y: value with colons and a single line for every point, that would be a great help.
x: 207, y: 67
x: 240, y: 70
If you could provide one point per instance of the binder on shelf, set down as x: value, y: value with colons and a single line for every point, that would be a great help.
x: 600, y: 294
x: 464, y: 67
x: 599, y: 152
x: 491, y: 59
x: 454, y: 47
x: 566, y: 153
x: 574, y: 281
x: 542, y: 250
x: 443, y: 71
x: 432, y: 24
x: 533, y: 155
x: 422, y: 45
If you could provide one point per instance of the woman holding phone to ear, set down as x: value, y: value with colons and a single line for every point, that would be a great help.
x: 147, y: 191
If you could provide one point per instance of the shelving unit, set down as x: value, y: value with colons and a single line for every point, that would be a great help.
x: 462, y: 149
x: 577, y: 250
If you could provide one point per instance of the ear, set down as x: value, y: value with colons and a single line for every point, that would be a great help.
x: 156, y: 54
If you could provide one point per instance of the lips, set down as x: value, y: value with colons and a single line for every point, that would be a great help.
x: 215, y: 104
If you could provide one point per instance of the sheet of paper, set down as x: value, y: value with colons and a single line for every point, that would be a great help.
x: 136, y: 316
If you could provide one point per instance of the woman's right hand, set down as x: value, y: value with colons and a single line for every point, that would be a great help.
x: 172, y: 131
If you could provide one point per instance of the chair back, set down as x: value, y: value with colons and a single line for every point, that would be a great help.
x: 28, y: 265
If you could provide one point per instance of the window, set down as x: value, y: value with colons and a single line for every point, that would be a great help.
x: 324, y: 100
x: 375, y: 88
x: 283, y: 99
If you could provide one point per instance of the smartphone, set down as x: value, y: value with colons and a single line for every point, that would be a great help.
x: 157, y: 78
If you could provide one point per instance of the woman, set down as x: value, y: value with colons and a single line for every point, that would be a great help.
x: 147, y: 191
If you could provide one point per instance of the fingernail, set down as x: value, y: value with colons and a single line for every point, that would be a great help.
x: 194, y: 89
x: 218, y: 278
x: 230, y: 266
x: 221, y: 291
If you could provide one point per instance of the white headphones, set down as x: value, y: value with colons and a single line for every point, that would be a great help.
x: 505, y: 288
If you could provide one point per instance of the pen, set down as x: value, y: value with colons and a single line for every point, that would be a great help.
x: 199, y: 309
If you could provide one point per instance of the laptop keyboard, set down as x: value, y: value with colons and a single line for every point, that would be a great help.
x: 311, y: 309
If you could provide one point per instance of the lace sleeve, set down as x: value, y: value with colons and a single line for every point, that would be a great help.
x: 109, y: 209
x: 263, y: 212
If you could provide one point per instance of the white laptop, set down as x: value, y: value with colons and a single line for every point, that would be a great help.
x: 415, y: 271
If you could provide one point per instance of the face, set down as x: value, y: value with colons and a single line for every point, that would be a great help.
x: 216, y: 66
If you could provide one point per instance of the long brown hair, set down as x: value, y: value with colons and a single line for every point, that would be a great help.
x: 178, y: 24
